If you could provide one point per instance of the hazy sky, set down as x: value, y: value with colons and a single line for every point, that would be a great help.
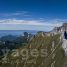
x: 32, y: 14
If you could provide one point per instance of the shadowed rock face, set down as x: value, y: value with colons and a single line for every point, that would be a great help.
x: 65, y: 35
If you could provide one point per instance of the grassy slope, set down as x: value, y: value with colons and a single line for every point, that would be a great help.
x: 39, y: 42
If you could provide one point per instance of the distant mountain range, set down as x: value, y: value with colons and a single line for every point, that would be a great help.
x: 15, y: 32
x: 8, y: 38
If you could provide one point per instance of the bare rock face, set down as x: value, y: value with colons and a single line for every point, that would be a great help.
x: 64, y: 45
x: 60, y: 29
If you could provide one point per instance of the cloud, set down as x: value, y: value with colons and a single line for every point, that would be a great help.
x: 19, y: 13
x: 15, y: 24
x: 53, y: 23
